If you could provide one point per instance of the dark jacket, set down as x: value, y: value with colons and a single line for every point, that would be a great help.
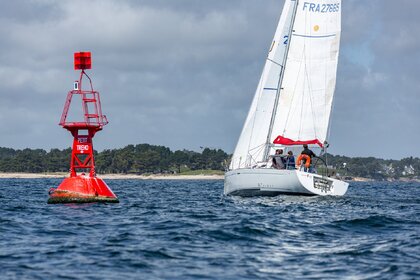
x: 308, y: 153
x: 290, y: 162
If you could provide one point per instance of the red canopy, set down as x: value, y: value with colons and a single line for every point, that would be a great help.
x: 289, y: 142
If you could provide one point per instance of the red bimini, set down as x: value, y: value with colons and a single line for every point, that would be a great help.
x: 84, y: 187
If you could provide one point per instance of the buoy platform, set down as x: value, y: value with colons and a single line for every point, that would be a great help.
x: 83, y: 187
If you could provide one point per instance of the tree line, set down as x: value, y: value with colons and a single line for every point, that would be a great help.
x: 374, y: 168
x: 132, y: 159
x: 146, y: 158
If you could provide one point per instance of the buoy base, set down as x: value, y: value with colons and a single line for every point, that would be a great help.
x: 82, y: 189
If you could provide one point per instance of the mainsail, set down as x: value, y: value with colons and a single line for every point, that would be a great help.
x: 299, y: 74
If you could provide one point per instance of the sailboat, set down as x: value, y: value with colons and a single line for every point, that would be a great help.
x: 292, y: 105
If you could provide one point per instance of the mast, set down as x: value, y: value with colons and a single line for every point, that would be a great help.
x: 283, y: 66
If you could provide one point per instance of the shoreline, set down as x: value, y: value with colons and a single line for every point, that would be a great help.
x: 10, y: 175
x: 22, y: 175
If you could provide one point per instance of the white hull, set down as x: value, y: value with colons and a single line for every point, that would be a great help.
x: 268, y: 181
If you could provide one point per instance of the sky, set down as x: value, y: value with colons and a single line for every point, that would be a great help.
x: 183, y: 73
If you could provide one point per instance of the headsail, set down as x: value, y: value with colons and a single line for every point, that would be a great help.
x: 305, y: 92
x: 251, y: 144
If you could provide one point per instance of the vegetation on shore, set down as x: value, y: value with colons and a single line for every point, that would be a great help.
x: 152, y: 159
x: 132, y: 159
x: 374, y: 168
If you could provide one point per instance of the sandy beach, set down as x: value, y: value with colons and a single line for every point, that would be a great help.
x: 154, y: 177
x: 114, y: 176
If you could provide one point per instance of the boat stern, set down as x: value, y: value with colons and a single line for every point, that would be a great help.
x: 321, y: 185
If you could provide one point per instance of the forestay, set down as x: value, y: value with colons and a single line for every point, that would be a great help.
x: 304, y: 91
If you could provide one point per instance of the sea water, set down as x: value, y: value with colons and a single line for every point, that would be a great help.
x: 190, y: 230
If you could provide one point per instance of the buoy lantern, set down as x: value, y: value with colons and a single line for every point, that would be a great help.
x: 82, y: 186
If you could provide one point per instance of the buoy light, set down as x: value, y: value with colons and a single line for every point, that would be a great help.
x: 82, y: 61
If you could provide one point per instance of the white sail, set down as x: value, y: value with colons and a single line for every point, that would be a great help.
x: 251, y: 144
x: 301, y: 73
x: 298, y: 112
x: 305, y: 100
x: 305, y: 89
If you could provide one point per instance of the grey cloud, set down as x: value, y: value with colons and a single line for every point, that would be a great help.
x: 378, y: 101
x: 182, y: 73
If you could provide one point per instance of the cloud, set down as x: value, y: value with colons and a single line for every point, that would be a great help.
x: 183, y: 73
x: 378, y: 97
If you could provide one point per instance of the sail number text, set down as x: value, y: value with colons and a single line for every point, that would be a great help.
x: 286, y: 39
x: 321, y: 8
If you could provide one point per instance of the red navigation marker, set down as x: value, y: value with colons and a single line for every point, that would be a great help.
x: 85, y: 186
x: 82, y: 61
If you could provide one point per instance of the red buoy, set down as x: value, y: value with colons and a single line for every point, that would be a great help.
x: 84, y: 187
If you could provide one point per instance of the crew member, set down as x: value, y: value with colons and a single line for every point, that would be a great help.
x: 290, y: 160
x: 310, y: 154
x: 307, y: 151
x: 278, y: 159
